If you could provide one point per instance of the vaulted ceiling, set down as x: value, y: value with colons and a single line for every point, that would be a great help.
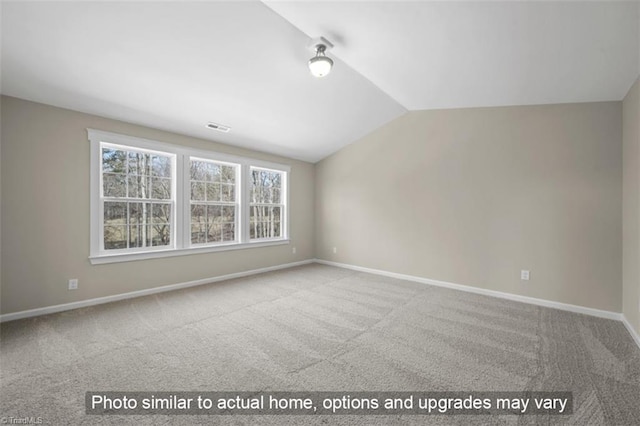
x: 179, y: 65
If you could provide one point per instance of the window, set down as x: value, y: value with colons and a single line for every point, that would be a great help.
x: 214, y: 201
x: 266, y: 204
x: 151, y: 199
x: 137, y: 198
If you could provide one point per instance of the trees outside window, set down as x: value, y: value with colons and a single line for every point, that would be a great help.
x: 266, y: 205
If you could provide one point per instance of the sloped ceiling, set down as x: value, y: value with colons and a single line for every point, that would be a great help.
x: 178, y: 65
x: 429, y: 55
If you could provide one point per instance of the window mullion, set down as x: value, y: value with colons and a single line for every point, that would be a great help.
x: 127, y: 225
x: 185, y: 201
x: 97, y: 205
x: 245, y: 201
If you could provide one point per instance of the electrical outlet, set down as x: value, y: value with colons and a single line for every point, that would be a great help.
x: 335, y: 250
x: 73, y: 284
x: 524, y: 275
x: 294, y: 250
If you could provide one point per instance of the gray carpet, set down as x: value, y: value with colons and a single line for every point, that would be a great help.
x: 317, y: 328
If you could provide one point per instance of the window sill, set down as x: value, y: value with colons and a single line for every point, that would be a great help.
x: 129, y: 257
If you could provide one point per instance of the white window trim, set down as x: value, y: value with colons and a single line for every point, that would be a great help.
x: 172, y: 202
x: 181, y: 244
x: 187, y: 204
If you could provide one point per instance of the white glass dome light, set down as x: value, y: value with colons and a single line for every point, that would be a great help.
x: 320, y: 65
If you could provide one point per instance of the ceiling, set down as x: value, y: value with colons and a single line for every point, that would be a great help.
x: 178, y: 65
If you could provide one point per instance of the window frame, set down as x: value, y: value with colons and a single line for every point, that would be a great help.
x: 282, y: 204
x: 126, y: 199
x: 238, y: 202
x: 181, y: 199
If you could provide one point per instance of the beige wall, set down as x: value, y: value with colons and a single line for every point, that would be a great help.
x: 45, y: 213
x: 631, y: 206
x: 469, y: 196
x: 0, y: 196
x: 472, y: 196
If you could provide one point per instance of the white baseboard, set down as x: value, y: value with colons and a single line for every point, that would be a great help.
x: 100, y: 300
x: 524, y: 299
x: 631, y: 330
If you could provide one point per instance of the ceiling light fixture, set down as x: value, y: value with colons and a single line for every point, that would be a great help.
x: 320, y: 65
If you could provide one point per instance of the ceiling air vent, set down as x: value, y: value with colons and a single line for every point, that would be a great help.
x: 218, y: 127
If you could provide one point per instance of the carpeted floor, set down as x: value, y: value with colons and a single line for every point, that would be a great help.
x: 317, y: 328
